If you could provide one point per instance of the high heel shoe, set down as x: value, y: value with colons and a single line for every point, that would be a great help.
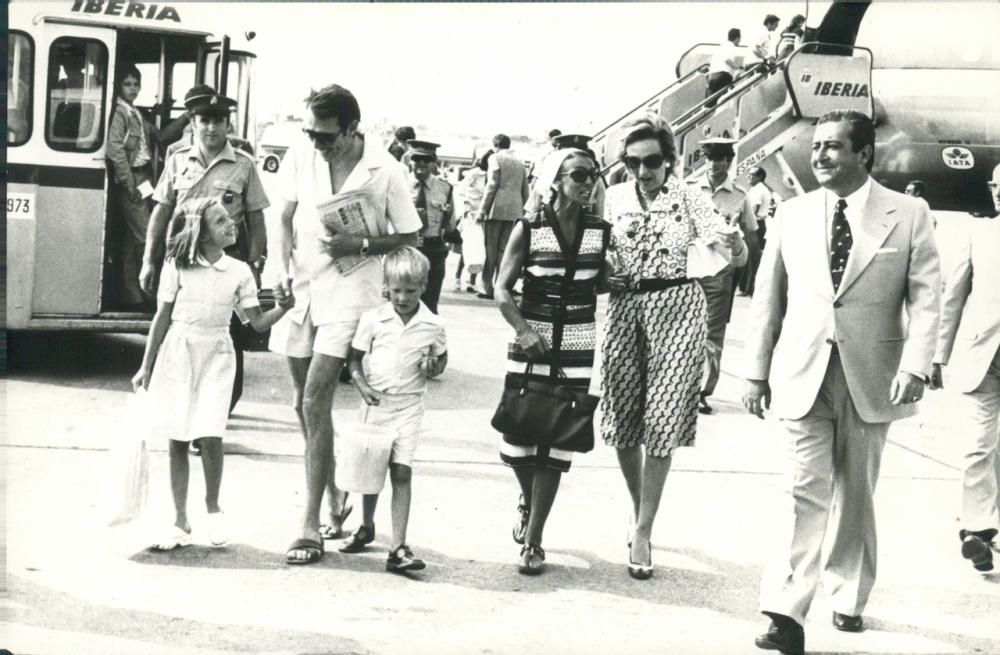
x: 640, y: 571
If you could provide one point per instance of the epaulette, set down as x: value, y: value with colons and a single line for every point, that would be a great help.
x: 241, y: 151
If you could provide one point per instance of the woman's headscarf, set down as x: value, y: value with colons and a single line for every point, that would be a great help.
x: 548, y: 170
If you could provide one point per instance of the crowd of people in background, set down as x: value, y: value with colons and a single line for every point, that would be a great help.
x: 671, y: 253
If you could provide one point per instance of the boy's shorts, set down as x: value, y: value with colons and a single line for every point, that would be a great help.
x: 404, y: 413
x: 302, y: 340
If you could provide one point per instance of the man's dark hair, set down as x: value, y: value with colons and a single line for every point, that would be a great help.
x: 334, y: 101
x: 734, y: 33
x: 404, y: 133
x: 761, y: 173
x: 771, y: 19
x: 501, y: 142
x: 554, y: 133
x: 861, y: 130
x: 918, y: 187
x: 129, y: 70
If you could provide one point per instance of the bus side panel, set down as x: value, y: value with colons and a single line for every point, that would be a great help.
x: 69, y: 242
x: 20, y: 267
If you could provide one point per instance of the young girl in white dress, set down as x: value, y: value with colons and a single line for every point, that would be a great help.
x: 190, y: 364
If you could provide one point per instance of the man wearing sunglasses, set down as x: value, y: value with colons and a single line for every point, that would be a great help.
x: 733, y: 202
x: 436, y: 208
x: 332, y: 157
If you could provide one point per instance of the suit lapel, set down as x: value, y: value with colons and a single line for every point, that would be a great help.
x: 877, y: 221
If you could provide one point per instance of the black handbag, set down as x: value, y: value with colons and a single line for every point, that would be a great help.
x: 546, y: 413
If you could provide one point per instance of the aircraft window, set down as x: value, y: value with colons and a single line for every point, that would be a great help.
x: 20, y: 67
x: 78, y: 74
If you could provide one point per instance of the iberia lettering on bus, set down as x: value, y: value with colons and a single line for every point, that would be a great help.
x: 843, y: 89
x: 130, y: 10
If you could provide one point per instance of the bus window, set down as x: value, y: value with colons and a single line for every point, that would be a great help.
x: 20, y: 70
x: 78, y: 72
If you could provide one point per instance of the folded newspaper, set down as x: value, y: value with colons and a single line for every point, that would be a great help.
x: 351, y: 212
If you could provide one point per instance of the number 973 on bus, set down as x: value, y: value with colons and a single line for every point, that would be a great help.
x: 20, y: 205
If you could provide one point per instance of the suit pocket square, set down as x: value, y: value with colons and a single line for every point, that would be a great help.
x: 886, y: 251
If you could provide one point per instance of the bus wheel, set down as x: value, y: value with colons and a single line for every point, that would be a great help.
x: 271, y: 164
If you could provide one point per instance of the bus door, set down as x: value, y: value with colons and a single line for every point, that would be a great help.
x: 73, y: 79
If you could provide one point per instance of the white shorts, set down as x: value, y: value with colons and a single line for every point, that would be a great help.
x: 404, y: 413
x: 301, y: 340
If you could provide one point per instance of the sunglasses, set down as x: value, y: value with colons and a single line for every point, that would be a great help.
x: 322, y: 138
x: 581, y: 175
x: 421, y: 159
x: 649, y: 161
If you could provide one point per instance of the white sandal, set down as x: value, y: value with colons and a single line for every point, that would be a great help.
x: 172, y: 538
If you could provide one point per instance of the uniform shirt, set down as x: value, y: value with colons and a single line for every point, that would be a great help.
x: 763, y: 45
x: 231, y: 178
x: 726, y: 52
x: 730, y: 200
x: 653, y: 242
x: 206, y: 294
x: 394, y: 350
x: 304, y: 178
x: 440, y: 205
x: 760, y: 200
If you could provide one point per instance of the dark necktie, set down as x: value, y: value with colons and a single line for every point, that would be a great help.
x: 421, y: 203
x: 840, y: 244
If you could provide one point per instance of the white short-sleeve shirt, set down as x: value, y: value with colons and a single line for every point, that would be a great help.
x: 206, y: 294
x: 304, y: 179
x: 394, y: 350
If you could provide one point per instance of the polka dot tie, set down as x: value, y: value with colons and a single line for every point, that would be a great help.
x: 840, y: 244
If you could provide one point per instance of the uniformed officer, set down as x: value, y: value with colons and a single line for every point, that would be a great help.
x: 578, y: 142
x: 436, y: 207
x: 732, y: 201
x: 210, y: 167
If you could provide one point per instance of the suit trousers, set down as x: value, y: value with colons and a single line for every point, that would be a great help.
x: 980, y: 491
x: 718, y: 296
x: 436, y: 255
x: 834, y: 466
x: 497, y: 234
x: 748, y: 273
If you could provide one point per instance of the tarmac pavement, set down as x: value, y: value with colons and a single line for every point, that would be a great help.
x: 74, y: 586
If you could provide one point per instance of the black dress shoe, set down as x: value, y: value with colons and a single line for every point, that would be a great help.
x: 848, y: 623
x: 785, y: 637
x: 976, y: 547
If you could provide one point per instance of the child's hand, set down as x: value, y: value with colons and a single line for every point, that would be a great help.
x: 285, y: 300
x: 370, y: 396
x: 432, y: 366
x: 141, y: 379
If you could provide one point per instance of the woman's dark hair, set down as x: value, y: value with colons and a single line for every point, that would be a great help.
x: 483, y: 162
x: 798, y: 20
x: 650, y: 127
x: 860, y: 129
x: 334, y: 101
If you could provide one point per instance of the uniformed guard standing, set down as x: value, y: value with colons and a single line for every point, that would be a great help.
x: 210, y: 167
x: 732, y: 201
x: 436, y: 207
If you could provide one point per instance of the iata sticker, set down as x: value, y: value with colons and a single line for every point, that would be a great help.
x: 957, y: 157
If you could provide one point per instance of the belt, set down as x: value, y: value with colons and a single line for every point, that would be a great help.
x: 659, y: 284
x: 429, y: 241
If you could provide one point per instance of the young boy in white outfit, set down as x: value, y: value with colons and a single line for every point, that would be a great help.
x: 396, y: 348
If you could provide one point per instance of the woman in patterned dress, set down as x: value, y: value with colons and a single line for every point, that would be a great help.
x: 654, y: 340
x: 561, y: 250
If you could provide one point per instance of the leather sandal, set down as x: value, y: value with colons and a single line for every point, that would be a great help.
x: 532, y: 560
x: 327, y: 531
x: 521, y: 527
x: 361, y: 538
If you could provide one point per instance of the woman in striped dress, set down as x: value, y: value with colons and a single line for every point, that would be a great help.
x: 560, y: 250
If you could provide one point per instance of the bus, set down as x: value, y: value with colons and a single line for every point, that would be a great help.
x: 61, y: 239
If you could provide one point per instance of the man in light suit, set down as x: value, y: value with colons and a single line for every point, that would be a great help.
x: 827, y: 336
x: 503, y: 205
x: 969, y: 344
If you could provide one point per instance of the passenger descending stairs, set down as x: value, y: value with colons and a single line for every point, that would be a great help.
x: 764, y: 109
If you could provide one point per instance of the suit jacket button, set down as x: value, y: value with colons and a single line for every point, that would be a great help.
x: 837, y: 304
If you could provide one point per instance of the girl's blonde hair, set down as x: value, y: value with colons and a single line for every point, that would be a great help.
x: 186, y: 228
x: 408, y: 264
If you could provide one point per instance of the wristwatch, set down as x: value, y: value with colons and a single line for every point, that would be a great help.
x: 365, y: 246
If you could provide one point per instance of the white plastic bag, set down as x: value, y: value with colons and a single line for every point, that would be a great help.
x: 473, y: 245
x: 362, y: 457
x: 126, y: 478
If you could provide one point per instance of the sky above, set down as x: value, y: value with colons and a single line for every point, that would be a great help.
x: 480, y: 68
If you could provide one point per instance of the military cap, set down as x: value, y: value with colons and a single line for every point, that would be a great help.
x: 202, y: 99
x: 578, y: 141
x: 423, y: 148
x: 718, y: 147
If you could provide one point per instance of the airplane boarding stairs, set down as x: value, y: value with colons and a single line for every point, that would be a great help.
x: 764, y: 109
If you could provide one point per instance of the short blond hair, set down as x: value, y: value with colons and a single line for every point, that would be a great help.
x: 407, y: 264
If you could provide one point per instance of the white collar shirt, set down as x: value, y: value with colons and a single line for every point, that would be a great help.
x: 304, y: 179
x: 395, y: 350
x: 723, y: 55
x: 760, y: 200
